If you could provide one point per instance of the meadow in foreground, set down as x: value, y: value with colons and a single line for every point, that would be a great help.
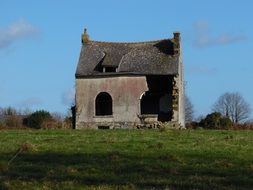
x: 126, y: 159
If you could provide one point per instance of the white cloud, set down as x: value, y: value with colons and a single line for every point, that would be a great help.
x: 68, y: 97
x: 16, y: 31
x: 204, y: 38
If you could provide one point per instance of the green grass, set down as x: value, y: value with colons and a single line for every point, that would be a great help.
x: 126, y: 159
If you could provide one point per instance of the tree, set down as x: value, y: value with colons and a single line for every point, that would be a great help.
x: 10, y: 117
x: 233, y: 106
x: 8, y: 111
x: 57, y: 116
x: 188, y: 110
x: 36, y: 119
x: 215, y: 121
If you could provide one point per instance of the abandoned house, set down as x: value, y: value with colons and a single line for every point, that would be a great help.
x: 129, y: 84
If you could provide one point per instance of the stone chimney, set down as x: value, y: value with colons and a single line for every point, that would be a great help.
x: 85, y: 37
x: 177, y: 40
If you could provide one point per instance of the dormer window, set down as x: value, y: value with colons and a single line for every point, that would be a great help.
x: 105, y: 69
x: 109, y: 69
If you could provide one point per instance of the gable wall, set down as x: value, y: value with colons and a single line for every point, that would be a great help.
x: 125, y: 92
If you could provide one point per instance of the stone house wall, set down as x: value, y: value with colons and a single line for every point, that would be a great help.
x: 125, y: 92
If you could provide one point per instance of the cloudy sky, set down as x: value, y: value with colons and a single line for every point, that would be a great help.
x: 40, y: 44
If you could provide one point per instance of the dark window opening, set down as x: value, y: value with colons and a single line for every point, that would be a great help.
x: 165, y: 108
x: 158, y: 99
x: 150, y: 103
x: 160, y: 83
x: 110, y: 69
x: 157, y: 104
x: 103, y: 127
x: 103, y: 104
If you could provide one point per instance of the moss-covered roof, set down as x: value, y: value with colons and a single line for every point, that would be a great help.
x: 142, y: 58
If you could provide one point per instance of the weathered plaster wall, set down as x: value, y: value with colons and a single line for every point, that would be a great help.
x: 181, y: 118
x: 125, y: 92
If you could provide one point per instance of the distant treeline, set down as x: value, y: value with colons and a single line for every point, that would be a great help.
x: 13, y: 118
x: 230, y: 111
x: 216, y: 120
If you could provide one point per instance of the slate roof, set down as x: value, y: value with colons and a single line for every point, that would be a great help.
x: 140, y: 58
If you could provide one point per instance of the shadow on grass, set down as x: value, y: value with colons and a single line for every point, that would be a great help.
x: 115, y: 169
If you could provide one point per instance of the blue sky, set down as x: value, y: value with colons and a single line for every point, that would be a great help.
x: 40, y: 43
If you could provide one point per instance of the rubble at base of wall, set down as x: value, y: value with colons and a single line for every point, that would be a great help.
x: 130, y: 125
x: 159, y: 125
x: 107, y: 125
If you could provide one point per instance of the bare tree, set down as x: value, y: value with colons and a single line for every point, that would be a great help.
x: 8, y: 111
x: 57, y: 116
x: 1, y: 111
x: 188, y: 109
x: 233, y: 106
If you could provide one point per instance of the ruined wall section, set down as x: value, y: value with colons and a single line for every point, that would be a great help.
x: 125, y: 92
x: 178, y: 85
x: 175, y: 99
x: 181, y: 102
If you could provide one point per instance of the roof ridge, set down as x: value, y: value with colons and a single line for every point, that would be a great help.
x: 137, y: 42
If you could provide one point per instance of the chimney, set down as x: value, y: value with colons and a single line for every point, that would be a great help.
x: 177, y: 40
x: 85, y: 37
x: 177, y: 36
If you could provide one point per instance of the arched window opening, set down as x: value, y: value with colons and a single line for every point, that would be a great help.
x: 150, y: 103
x: 103, y: 104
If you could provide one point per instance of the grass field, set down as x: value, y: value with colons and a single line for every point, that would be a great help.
x: 126, y: 159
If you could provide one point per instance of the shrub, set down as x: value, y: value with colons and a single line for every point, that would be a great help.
x: 14, y: 121
x: 51, y: 124
x: 2, y: 125
x: 68, y: 123
x: 36, y: 119
x: 244, y: 126
x: 192, y: 125
x: 11, y: 121
x: 215, y: 121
